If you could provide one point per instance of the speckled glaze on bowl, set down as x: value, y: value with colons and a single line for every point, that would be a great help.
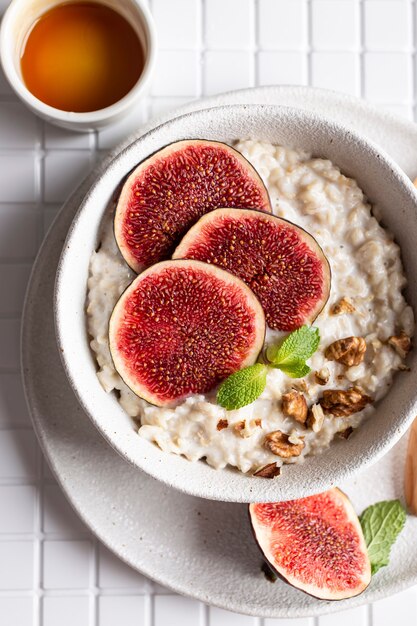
x: 383, y: 182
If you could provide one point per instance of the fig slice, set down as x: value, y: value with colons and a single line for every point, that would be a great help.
x: 169, y: 191
x: 316, y: 544
x: 282, y: 263
x: 181, y: 327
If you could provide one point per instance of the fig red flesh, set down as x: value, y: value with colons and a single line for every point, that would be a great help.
x: 315, y: 543
x: 182, y: 327
x: 282, y: 264
x: 168, y: 192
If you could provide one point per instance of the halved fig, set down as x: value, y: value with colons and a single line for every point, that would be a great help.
x: 316, y: 544
x: 182, y: 327
x: 282, y: 263
x: 168, y: 192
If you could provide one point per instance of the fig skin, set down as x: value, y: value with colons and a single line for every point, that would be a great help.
x: 276, y: 263
x: 157, y: 206
x: 169, y: 349
x: 322, y: 593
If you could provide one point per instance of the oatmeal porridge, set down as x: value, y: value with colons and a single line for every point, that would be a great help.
x: 357, y: 356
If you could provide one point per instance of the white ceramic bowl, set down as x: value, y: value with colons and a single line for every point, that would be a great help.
x: 17, y: 22
x: 383, y: 182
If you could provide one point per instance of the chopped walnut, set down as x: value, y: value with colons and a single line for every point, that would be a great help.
x: 343, y: 306
x: 342, y: 403
x: 257, y: 422
x: 221, y: 424
x: 240, y: 429
x: 268, y: 471
x: 322, y: 376
x: 301, y: 385
x: 295, y: 438
x: 278, y: 443
x: 404, y: 368
x: 346, y: 433
x: 401, y: 344
x: 294, y: 405
x: 315, y: 418
x: 376, y: 344
x: 349, y: 351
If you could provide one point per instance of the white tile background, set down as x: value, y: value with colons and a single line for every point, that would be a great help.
x: 52, y: 571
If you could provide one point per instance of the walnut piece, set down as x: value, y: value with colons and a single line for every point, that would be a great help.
x: 403, y: 368
x: 294, y: 405
x: 343, y: 306
x: 401, y: 344
x: 301, y: 385
x: 257, y: 422
x: 240, y: 429
x: 295, y: 438
x: 221, y: 424
x: 322, y: 376
x: 278, y: 443
x: 315, y: 418
x: 268, y: 471
x: 349, y: 351
x: 342, y: 403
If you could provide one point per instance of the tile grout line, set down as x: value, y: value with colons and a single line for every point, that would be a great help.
x: 309, y: 49
x: 369, y: 614
x: 204, y: 616
x: 84, y: 592
x: 202, y: 48
x: 413, y: 8
x: 256, y: 42
x: 94, y: 594
x: 149, y: 608
x: 41, y: 183
x: 254, y: 15
x: 362, y: 48
x: 37, y: 548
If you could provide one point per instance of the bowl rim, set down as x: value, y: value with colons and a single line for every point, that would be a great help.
x: 206, y: 491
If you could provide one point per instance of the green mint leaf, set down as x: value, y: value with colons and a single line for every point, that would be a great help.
x: 242, y: 387
x: 381, y: 524
x: 295, y: 369
x: 300, y: 345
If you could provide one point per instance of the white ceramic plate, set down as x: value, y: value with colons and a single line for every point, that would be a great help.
x: 211, y: 555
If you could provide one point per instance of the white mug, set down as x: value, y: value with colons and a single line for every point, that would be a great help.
x: 16, y: 24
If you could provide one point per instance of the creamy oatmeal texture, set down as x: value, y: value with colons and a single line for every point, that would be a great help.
x: 366, y: 270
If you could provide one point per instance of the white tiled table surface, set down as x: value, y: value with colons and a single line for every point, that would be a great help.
x: 52, y: 570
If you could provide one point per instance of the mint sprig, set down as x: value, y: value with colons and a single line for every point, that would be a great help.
x: 290, y: 355
x: 381, y: 524
x: 242, y: 387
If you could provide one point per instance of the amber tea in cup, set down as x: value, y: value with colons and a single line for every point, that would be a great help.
x: 81, y: 57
